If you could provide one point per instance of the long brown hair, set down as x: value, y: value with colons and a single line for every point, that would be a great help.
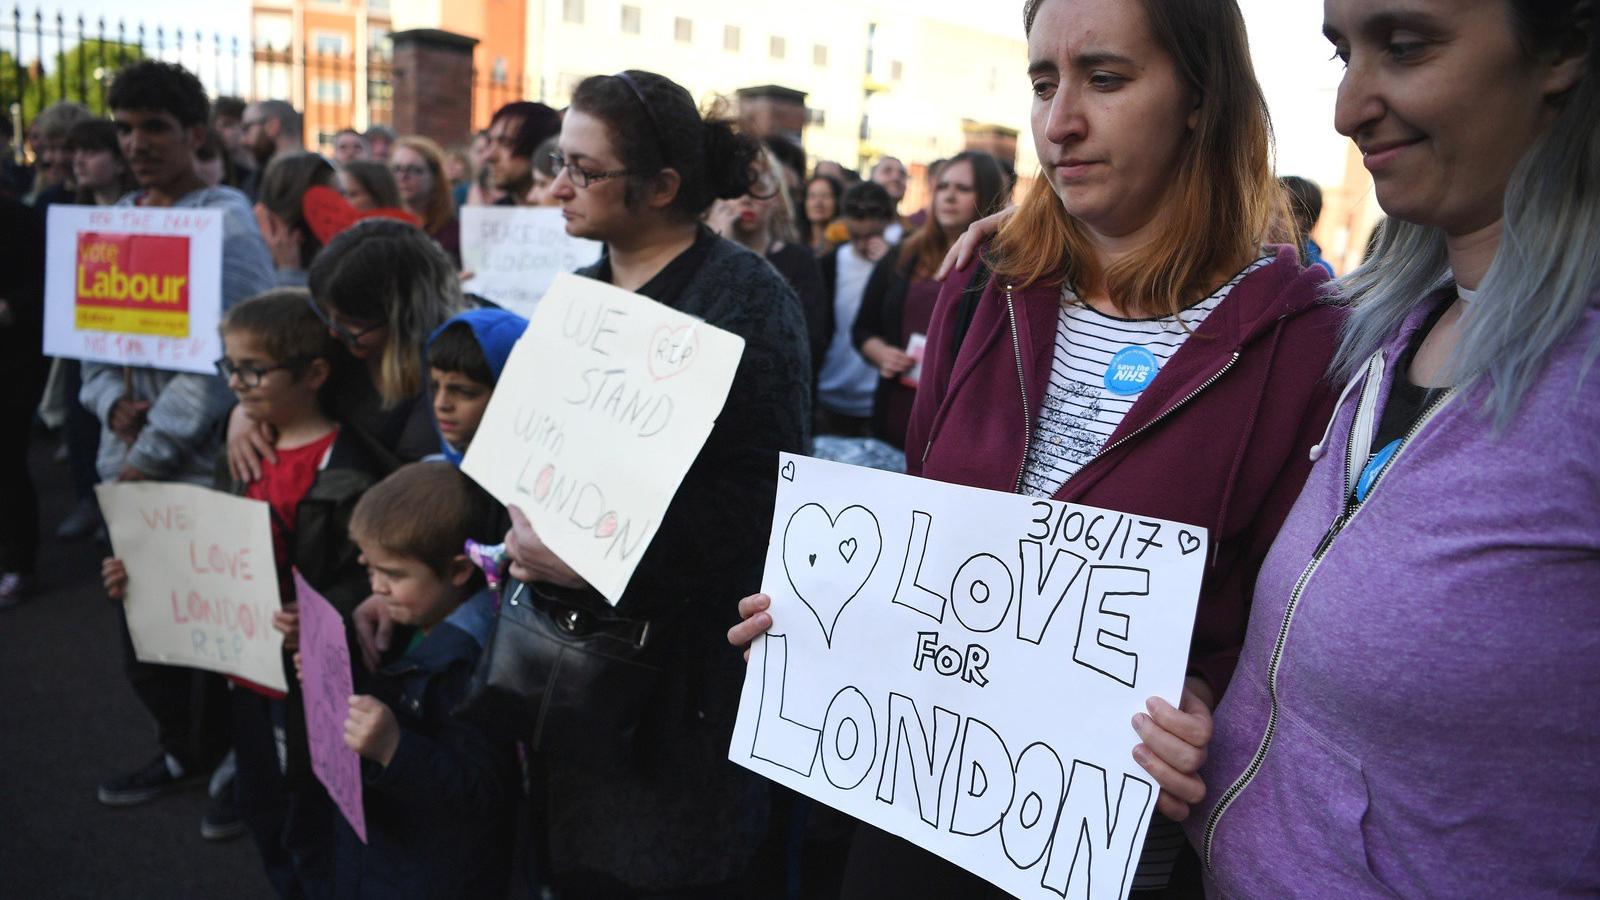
x: 921, y: 254
x: 441, y: 206
x: 1224, y: 196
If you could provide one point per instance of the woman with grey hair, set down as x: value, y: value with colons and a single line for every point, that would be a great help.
x: 1415, y: 710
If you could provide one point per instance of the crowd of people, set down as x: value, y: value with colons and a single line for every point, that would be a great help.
x: 1392, y: 680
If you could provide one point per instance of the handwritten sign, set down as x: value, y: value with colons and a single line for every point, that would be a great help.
x: 202, y: 586
x: 326, y: 686
x: 603, y: 405
x: 140, y: 287
x: 960, y: 667
x: 514, y: 253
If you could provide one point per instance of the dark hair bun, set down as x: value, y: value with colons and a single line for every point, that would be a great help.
x: 731, y: 158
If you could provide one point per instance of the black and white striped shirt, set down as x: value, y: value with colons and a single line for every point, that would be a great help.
x: 1080, y: 410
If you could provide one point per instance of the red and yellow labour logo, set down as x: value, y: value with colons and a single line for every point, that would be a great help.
x: 133, y: 284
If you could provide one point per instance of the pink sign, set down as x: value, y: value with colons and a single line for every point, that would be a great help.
x: 326, y: 688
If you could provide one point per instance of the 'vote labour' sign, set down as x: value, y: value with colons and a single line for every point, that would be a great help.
x: 960, y: 667
x: 202, y: 584
x: 134, y: 286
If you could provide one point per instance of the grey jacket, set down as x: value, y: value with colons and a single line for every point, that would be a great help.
x: 181, y: 436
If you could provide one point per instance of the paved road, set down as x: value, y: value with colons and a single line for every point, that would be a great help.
x: 67, y: 721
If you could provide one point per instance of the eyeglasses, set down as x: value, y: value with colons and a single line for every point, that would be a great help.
x: 250, y: 376
x: 351, y: 338
x: 408, y: 171
x: 580, y: 176
x: 766, y: 187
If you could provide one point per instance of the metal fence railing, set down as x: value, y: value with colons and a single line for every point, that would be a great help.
x: 46, y: 58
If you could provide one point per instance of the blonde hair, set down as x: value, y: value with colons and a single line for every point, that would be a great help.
x: 383, y: 270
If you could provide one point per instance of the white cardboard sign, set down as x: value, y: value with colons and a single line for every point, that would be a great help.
x: 202, y: 585
x: 960, y: 667
x: 514, y: 253
x: 134, y: 286
x: 603, y: 404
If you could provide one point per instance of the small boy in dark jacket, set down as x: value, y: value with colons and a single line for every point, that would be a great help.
x: 465, y: 358
x: 438, y: 793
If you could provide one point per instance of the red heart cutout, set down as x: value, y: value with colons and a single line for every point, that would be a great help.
x: 327, y: 213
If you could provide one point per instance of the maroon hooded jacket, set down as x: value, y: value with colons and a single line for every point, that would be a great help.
x: 1221, y: 439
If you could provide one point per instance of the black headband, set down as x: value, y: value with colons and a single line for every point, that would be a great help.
x: 655, y: 126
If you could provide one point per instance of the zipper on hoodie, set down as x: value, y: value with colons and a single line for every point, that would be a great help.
x: 1350, y: 509
x: 1022, y: 386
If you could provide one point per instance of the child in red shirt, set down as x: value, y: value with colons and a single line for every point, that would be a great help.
x: 276, y: 356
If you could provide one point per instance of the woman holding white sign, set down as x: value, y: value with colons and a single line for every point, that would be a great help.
x: 637, y: 168
x: 1415, y: 711
x: 1129, y: 343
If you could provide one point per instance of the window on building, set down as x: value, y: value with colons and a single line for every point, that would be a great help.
x: 896, y: 69
x: 819, y: 56
x: 378, y: 44
x: 328, y: 44
x: 330, y: 91
x: 682, y: 30
x: 497, y: 72
x: 272, y: 32
x: 778, y: 48
x: 730, y: 38
x: 630, y: 20
x: 817, y: 117
x: 378, y: 6
x: 572, y: 11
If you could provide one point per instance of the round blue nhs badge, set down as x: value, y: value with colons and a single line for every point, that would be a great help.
x: 1131, y: 371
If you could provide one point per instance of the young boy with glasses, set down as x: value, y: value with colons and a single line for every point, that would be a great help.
x: 276, y: 360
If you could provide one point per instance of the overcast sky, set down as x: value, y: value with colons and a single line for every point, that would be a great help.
x: 1290, y: 54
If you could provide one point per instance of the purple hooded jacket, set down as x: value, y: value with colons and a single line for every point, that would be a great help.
x: 1423, y: 719
x: 1218, y: 440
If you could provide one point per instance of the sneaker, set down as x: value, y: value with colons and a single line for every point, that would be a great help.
x: 222, y: 821
x: 14, y: 588
x: 153, y: 780
x: 80, y: 523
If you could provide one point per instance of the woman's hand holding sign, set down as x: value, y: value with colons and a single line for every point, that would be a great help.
x: 532, y: 559
x: 1174, y: 747
x: 754, y: 621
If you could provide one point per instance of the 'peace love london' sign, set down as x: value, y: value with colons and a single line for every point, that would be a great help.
x: 960, y: 666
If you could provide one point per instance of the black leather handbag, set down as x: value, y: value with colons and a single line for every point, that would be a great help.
x: 565, y: 674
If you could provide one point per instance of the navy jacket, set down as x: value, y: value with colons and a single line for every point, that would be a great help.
x: 439, y: 816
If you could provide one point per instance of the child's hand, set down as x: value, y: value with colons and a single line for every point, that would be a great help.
x: 287, y: 623
x: 298, y: 675
x: 114, y: 575
x: 371, y: 730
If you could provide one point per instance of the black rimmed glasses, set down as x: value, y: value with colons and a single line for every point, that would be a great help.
x: 351, y: 338
x: 580, y: 176
x: 250, y: 376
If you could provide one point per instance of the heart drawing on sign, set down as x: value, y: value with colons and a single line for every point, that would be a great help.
x: 840, y: 553
x: 672, y: 351
x: 1188, y: 543
x: 787, y: 471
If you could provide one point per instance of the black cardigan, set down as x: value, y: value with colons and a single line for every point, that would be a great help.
x: 683, y: 816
